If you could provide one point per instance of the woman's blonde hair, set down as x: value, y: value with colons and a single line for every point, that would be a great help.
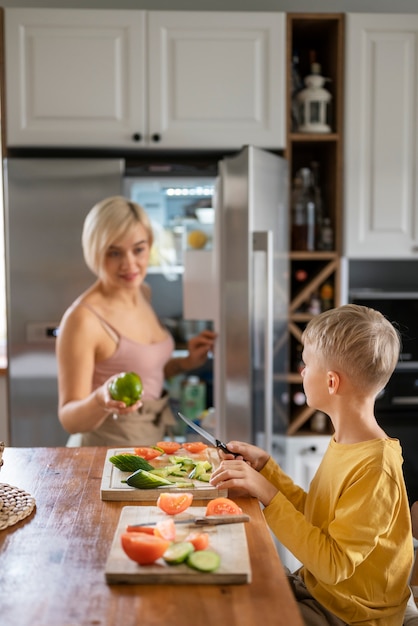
x: 357, y: 340
x: 108, y: 221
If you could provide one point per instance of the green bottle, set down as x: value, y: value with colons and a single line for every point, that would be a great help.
x: 193, y: 398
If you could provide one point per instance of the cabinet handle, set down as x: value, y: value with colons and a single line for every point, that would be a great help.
x: 156, y: 137
x: 137, y: 137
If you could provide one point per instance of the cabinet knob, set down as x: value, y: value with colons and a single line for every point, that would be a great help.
x: 414, y: 249
x: 156, y: 137
x: 137, y: 137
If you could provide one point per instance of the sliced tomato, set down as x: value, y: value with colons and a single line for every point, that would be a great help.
x: 199, y: 539
x: 144, y: 548
x: 194, y: 446
x: 222, y: 506
x: 166, y: 529
x: 173, y: 503
x: 147, y: 452
x: 169, y: 447
x: 149, y: 530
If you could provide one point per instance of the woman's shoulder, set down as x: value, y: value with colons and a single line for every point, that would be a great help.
x: 82, y: 312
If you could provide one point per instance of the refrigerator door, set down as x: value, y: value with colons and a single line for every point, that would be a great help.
x: 245, y: 282
x: 46, y: 202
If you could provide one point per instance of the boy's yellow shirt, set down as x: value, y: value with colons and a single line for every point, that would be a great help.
x: 351, y: 531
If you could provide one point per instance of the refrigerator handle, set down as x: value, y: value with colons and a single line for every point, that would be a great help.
x: 263, y: 242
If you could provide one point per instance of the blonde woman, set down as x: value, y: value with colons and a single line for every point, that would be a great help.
x: 112, y: 328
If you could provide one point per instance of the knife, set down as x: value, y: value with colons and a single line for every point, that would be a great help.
x: 204, y: 520
x: 204, y: 433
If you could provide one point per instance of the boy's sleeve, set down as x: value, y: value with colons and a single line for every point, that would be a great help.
x: 333, y: 552
x: 292, y: 492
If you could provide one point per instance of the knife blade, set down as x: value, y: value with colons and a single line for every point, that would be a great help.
x: 204, y: 433
x: 204, y: 520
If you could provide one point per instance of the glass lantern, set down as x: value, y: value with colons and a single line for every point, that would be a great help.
x: 314, y: 104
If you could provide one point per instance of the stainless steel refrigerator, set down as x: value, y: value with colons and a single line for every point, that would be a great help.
x: 242, y: 285
x: 46, y: 201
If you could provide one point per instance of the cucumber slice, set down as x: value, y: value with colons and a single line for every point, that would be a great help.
x: 204, y: 478
x: 204, y: 560
x: 130, y: 462
x: 142, y: 479
x: 178, y: 552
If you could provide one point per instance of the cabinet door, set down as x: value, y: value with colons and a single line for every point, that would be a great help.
x: 216, y: 80
x: 381, y: 191
x: 74, y: 77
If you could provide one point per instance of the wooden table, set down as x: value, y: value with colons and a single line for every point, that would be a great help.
x: 52, y: 563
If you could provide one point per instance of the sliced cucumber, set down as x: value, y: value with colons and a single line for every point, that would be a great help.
x: 178, y: 552
x: 183, y: 460
x: 142, y: 479
x: 130, y: 462
x: 204, y: 560
x: 204, y: 478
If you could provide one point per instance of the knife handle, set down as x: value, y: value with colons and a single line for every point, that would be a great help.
x: 223, y: 447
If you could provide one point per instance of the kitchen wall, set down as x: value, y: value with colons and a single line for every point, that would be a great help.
x: 341, y: 6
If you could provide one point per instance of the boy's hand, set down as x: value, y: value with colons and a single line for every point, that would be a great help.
x: 254, y: 456
x: 239, y: 474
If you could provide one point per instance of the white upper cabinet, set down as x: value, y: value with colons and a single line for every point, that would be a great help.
x: 136, y: 79
x: 74, y: 77
x: 381, y: 136
x: 217, y: 79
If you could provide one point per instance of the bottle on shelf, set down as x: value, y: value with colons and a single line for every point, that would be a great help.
x: 304, y: 216
x: 326, y: 295
x: 298, y: 361
x: 314, y: 306
x: 326, y: 238
x: 297, y: 85
x: 299, y: 398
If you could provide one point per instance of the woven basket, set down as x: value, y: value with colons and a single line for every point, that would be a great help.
x: 15, y: 504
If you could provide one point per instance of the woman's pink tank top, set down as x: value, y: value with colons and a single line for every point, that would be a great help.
x: 147, y: 360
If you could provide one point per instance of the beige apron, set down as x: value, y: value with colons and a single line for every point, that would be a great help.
x: 140, y: 428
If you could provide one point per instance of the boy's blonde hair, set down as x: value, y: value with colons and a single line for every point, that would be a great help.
x: 357, y: 340
x: 108, y: 221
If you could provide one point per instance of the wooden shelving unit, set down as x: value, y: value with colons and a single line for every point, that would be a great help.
x: 322, y: 33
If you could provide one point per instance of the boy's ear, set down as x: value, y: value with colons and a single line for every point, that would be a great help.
x: 333, y: 381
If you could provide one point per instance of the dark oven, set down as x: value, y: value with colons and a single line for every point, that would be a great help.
x: 396, y: 407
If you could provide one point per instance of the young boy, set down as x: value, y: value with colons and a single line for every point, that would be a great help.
x: 352, y: 530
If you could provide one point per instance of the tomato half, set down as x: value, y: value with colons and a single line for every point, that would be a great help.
x: 166, y: 529
x: 199, y: 539
x: 173, y: 503
x: 222, y: 506
x: 144, y: 548
x: 194, y: 446
x: 147, y: 452
x: 169, y: 447
x: 149, y: 530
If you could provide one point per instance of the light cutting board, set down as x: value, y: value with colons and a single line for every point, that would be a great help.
x: 113, y: 489
x: 228, y: 540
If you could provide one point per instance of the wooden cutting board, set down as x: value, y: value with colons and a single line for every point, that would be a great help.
x: 228, y: 540
x: 113, y: 489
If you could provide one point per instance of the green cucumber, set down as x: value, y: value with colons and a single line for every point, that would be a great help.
x: 204, y: 560
x: 204, y: 478
x: 141, y: 479
x: 178, y: 552
x: 178, y: 481
x: 201, y: 467
x: 130, y: 462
